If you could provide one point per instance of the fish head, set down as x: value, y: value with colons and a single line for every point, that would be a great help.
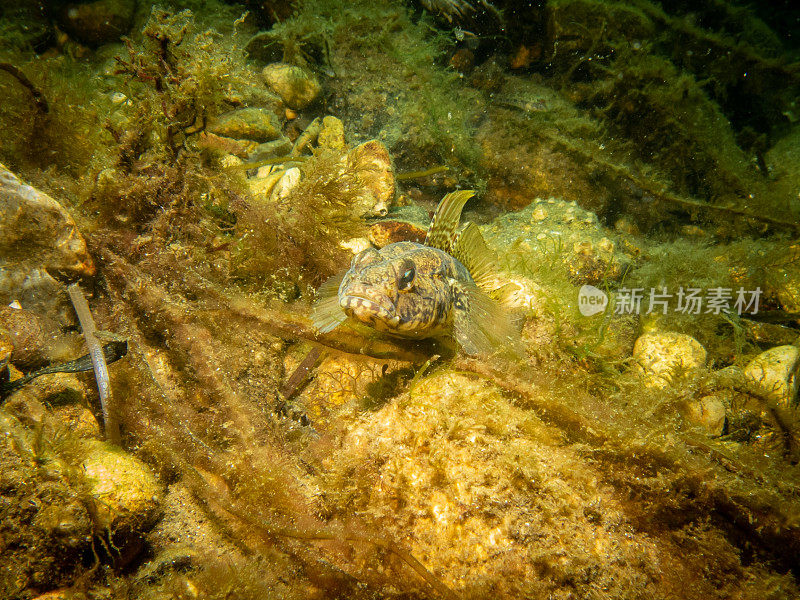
x: 394, y: 294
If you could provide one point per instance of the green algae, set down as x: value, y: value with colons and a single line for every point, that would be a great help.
x: 561, y: 475
x: 423, y: 120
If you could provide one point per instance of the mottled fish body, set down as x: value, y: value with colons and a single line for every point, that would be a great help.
x: 426, y: 290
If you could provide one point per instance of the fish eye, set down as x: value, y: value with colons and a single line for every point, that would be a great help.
x: 406, y: 278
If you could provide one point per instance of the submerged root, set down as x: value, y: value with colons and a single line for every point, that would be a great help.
x: 38, y: 97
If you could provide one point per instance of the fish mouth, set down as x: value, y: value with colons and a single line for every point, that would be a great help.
x: 369, y: 311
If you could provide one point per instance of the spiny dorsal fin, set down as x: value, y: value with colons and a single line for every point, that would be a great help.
x: 442, y: 231
x: 472, y: 252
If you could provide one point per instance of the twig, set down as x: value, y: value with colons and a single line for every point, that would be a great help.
x: 38, y: 96
x: 98, y: 360
x: 300, y: 374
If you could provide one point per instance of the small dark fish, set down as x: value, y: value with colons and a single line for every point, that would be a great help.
x: 429, y: 290
x: 113, y: 351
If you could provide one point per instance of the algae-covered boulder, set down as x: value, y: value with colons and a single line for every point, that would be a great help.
x: 296, y: 86
x: 37, y: 228
x: 661, y: 357
x: 776, y: 372
x: 127, y: 493
x: 552, y: 230
x: 256, y: 124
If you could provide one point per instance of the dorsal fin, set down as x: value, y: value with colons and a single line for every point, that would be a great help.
x: 442, y: 230
x: 472, y: 252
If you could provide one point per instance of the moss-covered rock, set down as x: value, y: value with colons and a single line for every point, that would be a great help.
x: 296, y: 86
x: 777, y: 371
x: 127, y: 494
x: 99, y: 22
x: 664, y: 357
x: 256, y: 124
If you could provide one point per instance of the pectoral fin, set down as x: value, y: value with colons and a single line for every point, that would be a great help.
x: 481, y: 325
x: 326, y: 313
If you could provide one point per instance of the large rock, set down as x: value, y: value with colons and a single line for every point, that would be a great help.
x: 127, y: 493
x: 38, y: 239
x: 776, y: 372
x: 256, y: 124
x: 296, y: 86
x: 38, y: 229
x: 663, y: 356
x: 588, y: 253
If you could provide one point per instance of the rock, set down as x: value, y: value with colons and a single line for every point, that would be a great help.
x: 297, y: 87
x: 776, y: 371
x: 45, y: 527
x: 663, y: 356
x: 563, y: 230
x: 287, y: 183
x: 355, y: 245
x: 274, y: 182
x: 31, y: 336
x: 6, y: 347
x: 256, y: 124
x: 97, y: 23
x: 226, y: 145
x: 389, y: 232
x: 128, y: 495
x: 274, y: 149
x: 27, y: 24
x: 38, y: 230
x: 331, y: 135
x: 709, y: 413
x: 373, y: 164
